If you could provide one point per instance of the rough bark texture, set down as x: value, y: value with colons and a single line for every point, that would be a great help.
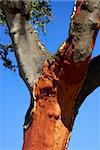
x: 63, y: 83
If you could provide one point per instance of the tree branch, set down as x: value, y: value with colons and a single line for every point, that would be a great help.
x: 91, y: 83
x: 84, y: 26
x: 29, y: 51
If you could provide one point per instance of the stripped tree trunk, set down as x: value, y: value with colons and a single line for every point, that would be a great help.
x: 61, y: 83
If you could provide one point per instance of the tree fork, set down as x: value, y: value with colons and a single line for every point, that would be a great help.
x: 60, y: 83
x: 55, y: 94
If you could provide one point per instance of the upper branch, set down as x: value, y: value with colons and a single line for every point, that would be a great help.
x: 91, y: 83
x: 29, y: 51
x: 84, y: 26
x: 85, y: 23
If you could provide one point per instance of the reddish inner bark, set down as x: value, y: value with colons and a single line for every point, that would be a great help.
x: 55, y: 93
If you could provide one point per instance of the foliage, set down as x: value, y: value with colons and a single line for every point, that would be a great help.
x: 2, y: 17
x: 5, y: 50
x: 41, y: 13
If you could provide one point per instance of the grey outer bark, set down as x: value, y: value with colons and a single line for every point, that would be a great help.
x: 82, y: 27
x: 29, y: 51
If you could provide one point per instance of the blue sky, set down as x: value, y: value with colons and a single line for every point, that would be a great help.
x: 14, y: 96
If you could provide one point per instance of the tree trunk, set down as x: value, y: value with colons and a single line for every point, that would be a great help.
x: 57, y: 103
x: 55, y: 95
x: 59, y: 85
